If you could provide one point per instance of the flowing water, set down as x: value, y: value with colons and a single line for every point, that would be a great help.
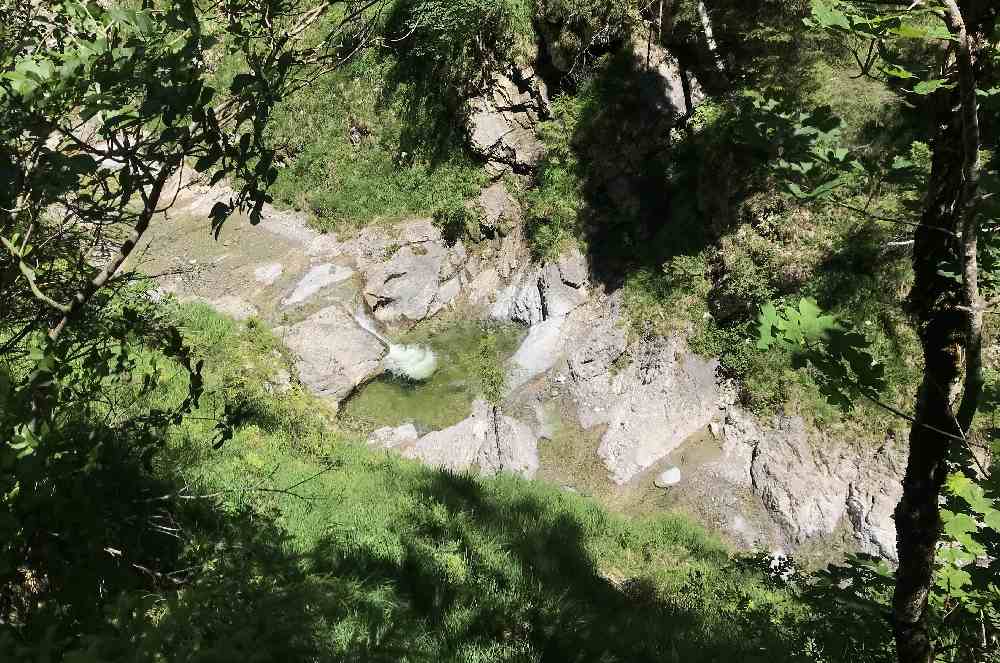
x: 445, y: 397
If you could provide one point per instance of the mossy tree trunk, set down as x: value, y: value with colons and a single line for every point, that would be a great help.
x: 949, y: 314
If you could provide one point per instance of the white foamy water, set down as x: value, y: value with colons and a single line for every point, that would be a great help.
x: 414, y: 362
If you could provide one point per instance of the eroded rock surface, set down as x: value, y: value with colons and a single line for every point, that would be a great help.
x: 411, y: 276
x: 484, y: 440
x: 667, y: 395
x: 811, y: 486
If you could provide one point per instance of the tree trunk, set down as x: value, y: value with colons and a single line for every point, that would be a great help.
x: 710, y: 43
x: 949, y: 322
x: 941, y: 326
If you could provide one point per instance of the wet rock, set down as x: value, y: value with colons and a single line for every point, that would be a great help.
x: 334, y: 354
x: 521, y: 301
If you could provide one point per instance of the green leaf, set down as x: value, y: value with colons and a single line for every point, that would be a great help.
x: 766, y: 322
x: 920, y: 31
x: 973, y: 494
x: 895, y: 71
x: 953, y: 579
x: 958, y: 524
x: 930, y: 87
x: 827, y: 15
x: 991, y: 519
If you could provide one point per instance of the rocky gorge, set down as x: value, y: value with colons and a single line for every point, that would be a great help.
x: 659, y: 416
x: 654, y: 406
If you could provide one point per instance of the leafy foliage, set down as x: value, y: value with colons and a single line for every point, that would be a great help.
x: 842, y: 358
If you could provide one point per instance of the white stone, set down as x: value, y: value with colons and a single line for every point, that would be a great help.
x: 667, y: 478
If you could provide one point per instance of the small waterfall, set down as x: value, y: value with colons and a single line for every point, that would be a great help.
x: 365, y: 321
x: 412, y: 362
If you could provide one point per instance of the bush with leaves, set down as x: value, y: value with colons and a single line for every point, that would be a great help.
x: 102, y: 108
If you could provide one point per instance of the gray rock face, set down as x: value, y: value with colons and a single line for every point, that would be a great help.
x: 810, y: 487
x: 418, y: 278
x: 511, y: 447
x: 347, y: 356
x: 551, y: 290
x: 668, y: 87
x: 667, y: 395
x: 797, y: 483
x: 502, y: 120
x: 393, y: 438
x: 872, y: 498
x: 316, y: 279
x: 599, y: 343
x: 235, y: 307
x: 491, y: 443
x: 538, y: 353
x: 500, y: 212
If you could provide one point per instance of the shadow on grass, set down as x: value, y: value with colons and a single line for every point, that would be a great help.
x: 485, y: 572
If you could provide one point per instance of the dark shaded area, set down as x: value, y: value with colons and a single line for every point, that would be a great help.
x: 247, y: 597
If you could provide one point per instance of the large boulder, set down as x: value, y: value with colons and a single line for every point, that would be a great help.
x: 538, y: 353
x: 541, y: 292
x: 411, y: 276
x: 333, y: 354
x: 487, y: 440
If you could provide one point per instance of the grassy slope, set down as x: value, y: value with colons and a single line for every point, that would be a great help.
x: 370, y: 557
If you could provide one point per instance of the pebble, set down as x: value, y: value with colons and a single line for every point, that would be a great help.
x: 669, y: 477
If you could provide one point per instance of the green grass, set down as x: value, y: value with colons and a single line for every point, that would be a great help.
x: 385, y: 172
x: 312, y: 547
